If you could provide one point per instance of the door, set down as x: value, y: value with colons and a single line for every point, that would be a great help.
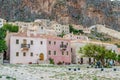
x: 41, y: 56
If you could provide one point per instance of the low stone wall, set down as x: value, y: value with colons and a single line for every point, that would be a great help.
x: 110, y: 32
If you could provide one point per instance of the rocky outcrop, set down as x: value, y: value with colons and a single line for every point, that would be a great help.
x: 84, y: 12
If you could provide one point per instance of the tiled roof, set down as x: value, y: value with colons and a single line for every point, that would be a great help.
x: 40, y: 36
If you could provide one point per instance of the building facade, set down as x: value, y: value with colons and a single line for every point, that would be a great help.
x: 78, y: 58
x: 36, y: 48
x: 71, y: 36
x: 59, y: 29
x: 59, y: 50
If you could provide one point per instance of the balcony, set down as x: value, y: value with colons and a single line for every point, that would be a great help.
x: 63, y: 47
x: 25, y: 47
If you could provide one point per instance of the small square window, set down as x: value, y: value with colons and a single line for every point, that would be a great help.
x: 24, y: 54
x: 41, y: 42
x: 41, y: 27
x: 31, y: 54
x: 24, y: 41
x: 31, y: 42
x: 66, y: 43
x: 71, y: 50
x: 54, y: 52
x: 17, y: 41
x: 17, y: 53
x: 62, y: 53
x: 67, y: 53
x: 54, y: 43
x: 49, y: 42
x: 49, y: 52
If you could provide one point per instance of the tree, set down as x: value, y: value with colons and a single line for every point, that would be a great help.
x: 3, y: 46
x: 75, y: 31
x: 118, y: 58
x: 62, y: 34
x: 2, y: 41
x: 51, y: 61
x: 3, y: 30
x: 10, y: 28
x: 98, y: 52
x: 2, y: 33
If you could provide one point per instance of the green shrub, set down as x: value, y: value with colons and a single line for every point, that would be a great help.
x: 14, y: 78
x: 51, y: 61
x: 8, y: 77
x: 95, y: 78
x: 75, y: 31
x: 0, y: 76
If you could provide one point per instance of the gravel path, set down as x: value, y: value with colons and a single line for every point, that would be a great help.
x: 53, y: 72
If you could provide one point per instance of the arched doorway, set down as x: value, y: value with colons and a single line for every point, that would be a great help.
x: 41, y: 56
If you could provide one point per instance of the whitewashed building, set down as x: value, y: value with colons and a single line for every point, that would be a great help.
x: 59, y: 29
x: 31, y: 47
x: 26, y: 49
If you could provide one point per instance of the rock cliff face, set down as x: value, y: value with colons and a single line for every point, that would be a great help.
x: 84, y: 12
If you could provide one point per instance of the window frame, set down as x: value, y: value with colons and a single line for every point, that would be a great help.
x: 24, y: 54
x: 17, y: 41
x: 17, y: 54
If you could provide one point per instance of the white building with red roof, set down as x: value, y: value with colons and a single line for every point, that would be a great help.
x: 38, y: 48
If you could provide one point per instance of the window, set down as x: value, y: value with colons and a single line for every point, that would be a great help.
x: 71, y: 50
x: 54, y: 52
x: 41, y: 42
x: 17, y: 53
x: 24, y: 41
x: 81, y: 60
x: 24, y: 54
x: 62, y: 53
x: 17, y: 41
x: 67, y: 53
x: 89, y: 60
x: 66, y: 43
x: 31, y: 42
x: 54, y: 43
x: 41, y: 27
x: 49, y: 52
x: 49, y: 42
x: 31, y: 54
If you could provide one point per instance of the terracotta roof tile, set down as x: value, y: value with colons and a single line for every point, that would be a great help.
x: 40, y: 36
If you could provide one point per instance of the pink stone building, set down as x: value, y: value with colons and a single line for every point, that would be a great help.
x: 59, y: 50
x: 38, y: 48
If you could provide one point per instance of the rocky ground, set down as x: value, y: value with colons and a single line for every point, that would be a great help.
x: 54, y: 72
